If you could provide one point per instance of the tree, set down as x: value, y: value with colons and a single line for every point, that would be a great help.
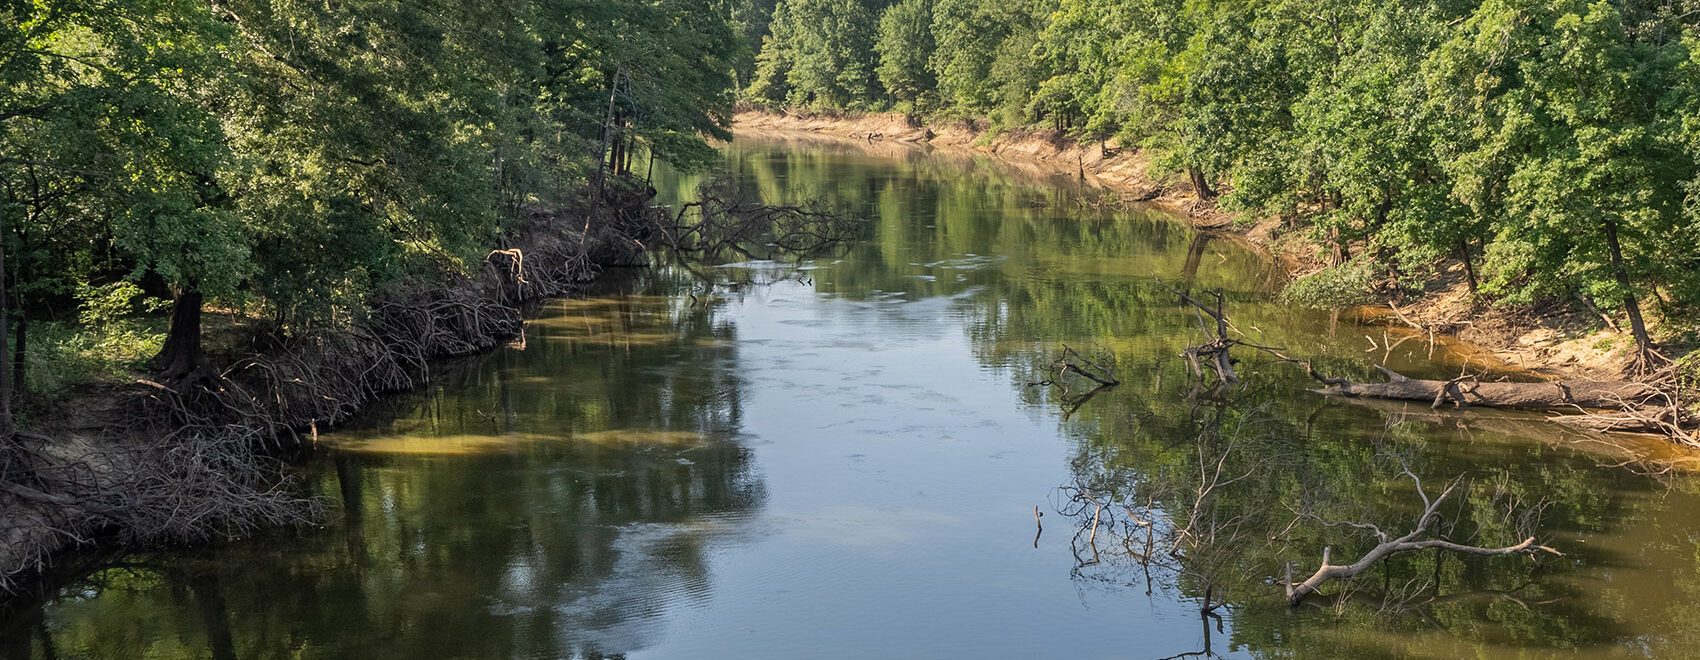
x: 297, y: 157
x: 905, y: 47
x: 1558, y: 128
x: 819, y: 54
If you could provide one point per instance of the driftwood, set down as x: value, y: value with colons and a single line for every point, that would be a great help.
x: 1656, y: 406
x: 1297, y: 591
x: 1465, y: 391
x: 1072, y: 361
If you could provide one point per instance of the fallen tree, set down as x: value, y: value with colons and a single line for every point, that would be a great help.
x: 1468, y: 390
x: 729, y: 219
x: 1655, y: 406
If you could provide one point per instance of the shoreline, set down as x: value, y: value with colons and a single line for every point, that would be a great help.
x: 141, y: 466
x: 1539, y: 347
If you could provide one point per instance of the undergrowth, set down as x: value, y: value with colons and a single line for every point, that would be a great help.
x: 1336, y: 287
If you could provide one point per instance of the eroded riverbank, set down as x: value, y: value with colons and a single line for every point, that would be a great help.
x: 1548, y: 344
x: 148, y: 465
x: 844, y: 460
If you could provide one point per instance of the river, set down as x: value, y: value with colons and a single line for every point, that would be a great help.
x: 844, y: 460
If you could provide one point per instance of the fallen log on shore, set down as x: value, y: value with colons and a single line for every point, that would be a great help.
x: 1460, y: 392
x: 1657, y: 406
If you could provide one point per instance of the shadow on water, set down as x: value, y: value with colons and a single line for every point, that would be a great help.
x: 549, y: 500
x: 584, y: 491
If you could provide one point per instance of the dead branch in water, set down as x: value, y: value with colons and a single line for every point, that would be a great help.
x: 1071, y: 361
x: 728, y: 219
x: 1296, y: 592
x: 1658, y: 404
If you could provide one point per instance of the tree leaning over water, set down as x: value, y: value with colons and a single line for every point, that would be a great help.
x: 290, y: 159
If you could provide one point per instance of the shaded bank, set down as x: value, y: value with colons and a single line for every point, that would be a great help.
x: 571, y: 492
x: 144, y: 464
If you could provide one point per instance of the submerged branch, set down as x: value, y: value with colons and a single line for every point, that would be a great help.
x: 728, y: 219
x: 1296, y: 592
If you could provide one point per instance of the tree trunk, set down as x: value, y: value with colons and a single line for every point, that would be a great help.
x: 1200, y: 184
x: 617, y: 155
x: 631, y: 147
x: 21, y: 350
x: 5, y: 330
x: 20, y: 353
x: 1643, y: 344
x: 181, y: 357
x: 1338, y: 252
x: 607, y: 131
x: 1616, y: 395
x: 1469, y: 269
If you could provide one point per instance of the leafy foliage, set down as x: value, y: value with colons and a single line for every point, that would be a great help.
x: 1551, y: 145
x: 292, y: 158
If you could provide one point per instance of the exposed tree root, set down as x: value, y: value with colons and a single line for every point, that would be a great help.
x: 185, y: 460
x: 193, y: 484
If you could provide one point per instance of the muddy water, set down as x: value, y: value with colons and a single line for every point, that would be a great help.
x: 844, y: 460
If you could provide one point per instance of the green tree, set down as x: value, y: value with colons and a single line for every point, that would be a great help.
x: 819, y: 54
x: 1557, y: 129
x: 905, y: 47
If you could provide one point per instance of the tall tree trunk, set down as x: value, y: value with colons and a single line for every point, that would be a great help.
x: 1200, y: 184
x: 1469, y: 268
x: 631, y: 147
x: 181, y: 357
x: 618, y: 141
x: 5, y: 330
x: 607, y: 131
x: 1643, y: 343
x: 20, y: 353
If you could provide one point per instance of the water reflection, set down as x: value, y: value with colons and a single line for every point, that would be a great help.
x: 1050, y: 271
x: 591, y: 471
x: 843, y: 460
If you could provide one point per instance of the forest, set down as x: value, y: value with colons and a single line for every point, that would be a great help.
x: 229, y: 225
x: 284, y: 162
x: 1549, y: 147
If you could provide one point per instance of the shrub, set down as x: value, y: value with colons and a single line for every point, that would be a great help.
x: 1338, y: 287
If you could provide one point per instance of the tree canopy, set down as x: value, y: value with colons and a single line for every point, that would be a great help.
x: 292, y: 158
x: 1548, y: 146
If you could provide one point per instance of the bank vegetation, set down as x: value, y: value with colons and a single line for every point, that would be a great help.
x: 227, y: 225
x: 1543, y: 155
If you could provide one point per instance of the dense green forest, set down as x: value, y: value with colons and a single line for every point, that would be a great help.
x: 1550, y: 147
x: 286, y: 160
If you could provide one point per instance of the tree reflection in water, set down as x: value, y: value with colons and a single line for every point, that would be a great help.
x: 590, y: 473
x: 567, y: 496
